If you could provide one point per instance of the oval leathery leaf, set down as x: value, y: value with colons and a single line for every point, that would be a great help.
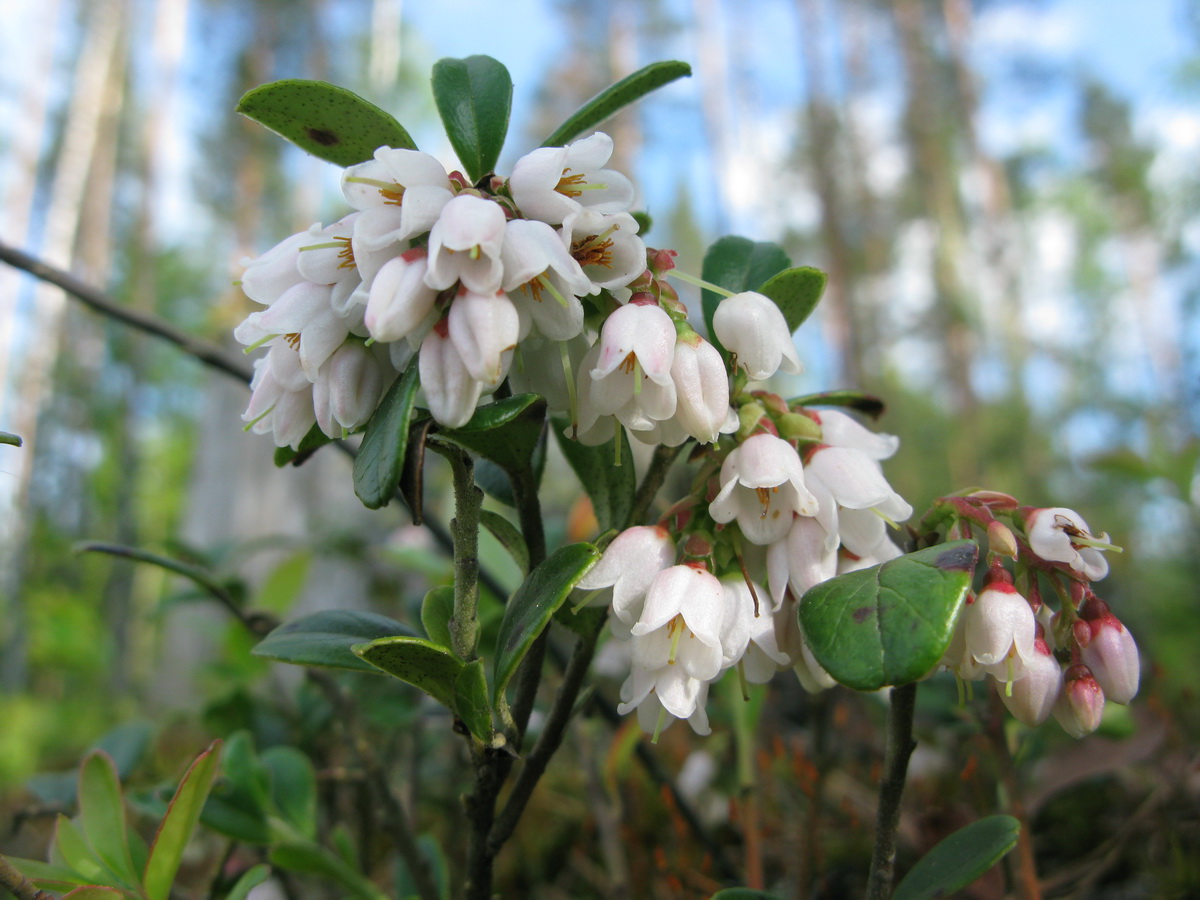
x: 328, y: 121
x: 533, y: 605
x: 891, y: 623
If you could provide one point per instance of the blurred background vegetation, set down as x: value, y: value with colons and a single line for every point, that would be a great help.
x: 1002, y: 191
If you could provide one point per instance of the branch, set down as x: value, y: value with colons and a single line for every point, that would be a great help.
x: 18, y: 885
x: 655, y: 475
x: 464, y: 528
x: 900, y: 745
x: 547, y: 743
x: 207, y: 352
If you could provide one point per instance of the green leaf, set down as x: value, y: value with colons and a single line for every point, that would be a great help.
x: 737, y: 264
x: 471, y: 701
x: 325, y: 638
x: 47, y: 876
x: 177, y: 826
x: 126, y: 745
x: 867, y: 404
x: 533, y: 605
x: 309, y: 444
x: 474, y: 99
x: 889, y: 624
x: 251, y: 878
x: 293, y: 787
x: 327, y: 121
x: 95, y: 892
x: 610, y: 487
x: 244, y: 770
x: 418, y: 662
x: 506, y: 432
x: 436, y: 610
x: 8, y: 438
x: 77, y: 853
x: 494, y: 481
x: 796, y: 292
x: 313, y: 859
x: 741, y: 893
x: 508, y: 535
x: 234, y: 814
x: 612, y: 99
x: 381, y: 455
x: 438, y: 867
x: 959, y: 859
x: 102, y: 815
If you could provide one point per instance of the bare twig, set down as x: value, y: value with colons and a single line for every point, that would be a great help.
x: 207, y: 352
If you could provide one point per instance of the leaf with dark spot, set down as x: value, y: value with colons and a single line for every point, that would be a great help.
x: 325, y: 120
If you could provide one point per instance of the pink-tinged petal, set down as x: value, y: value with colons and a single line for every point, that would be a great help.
x: 292, y: 418
x: 1109, y: 650
x: 348, y: 388
x: 1080, y: 706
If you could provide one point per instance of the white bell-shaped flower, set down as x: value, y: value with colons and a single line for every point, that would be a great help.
x: 349, y: 386
x: 399, y: 301
x: 762, y: 486
x: 751, y: 327
x: 629, y: 566
x: 552, y: 182
x: 464, y: 245
x: 1061, y: 535
x: 450, y: 391
x: 701, y: 388
x: 484, y: 328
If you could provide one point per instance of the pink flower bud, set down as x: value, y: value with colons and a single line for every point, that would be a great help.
x: 1080, y: 706
x: 1108, y: 649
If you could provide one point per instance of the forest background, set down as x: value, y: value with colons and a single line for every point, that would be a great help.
x: 1003, y: 192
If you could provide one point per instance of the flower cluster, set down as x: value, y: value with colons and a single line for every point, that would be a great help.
x: 542, y: 279
x: 1066, y: 663
x: 462, y: 272
x: 788, y: 513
